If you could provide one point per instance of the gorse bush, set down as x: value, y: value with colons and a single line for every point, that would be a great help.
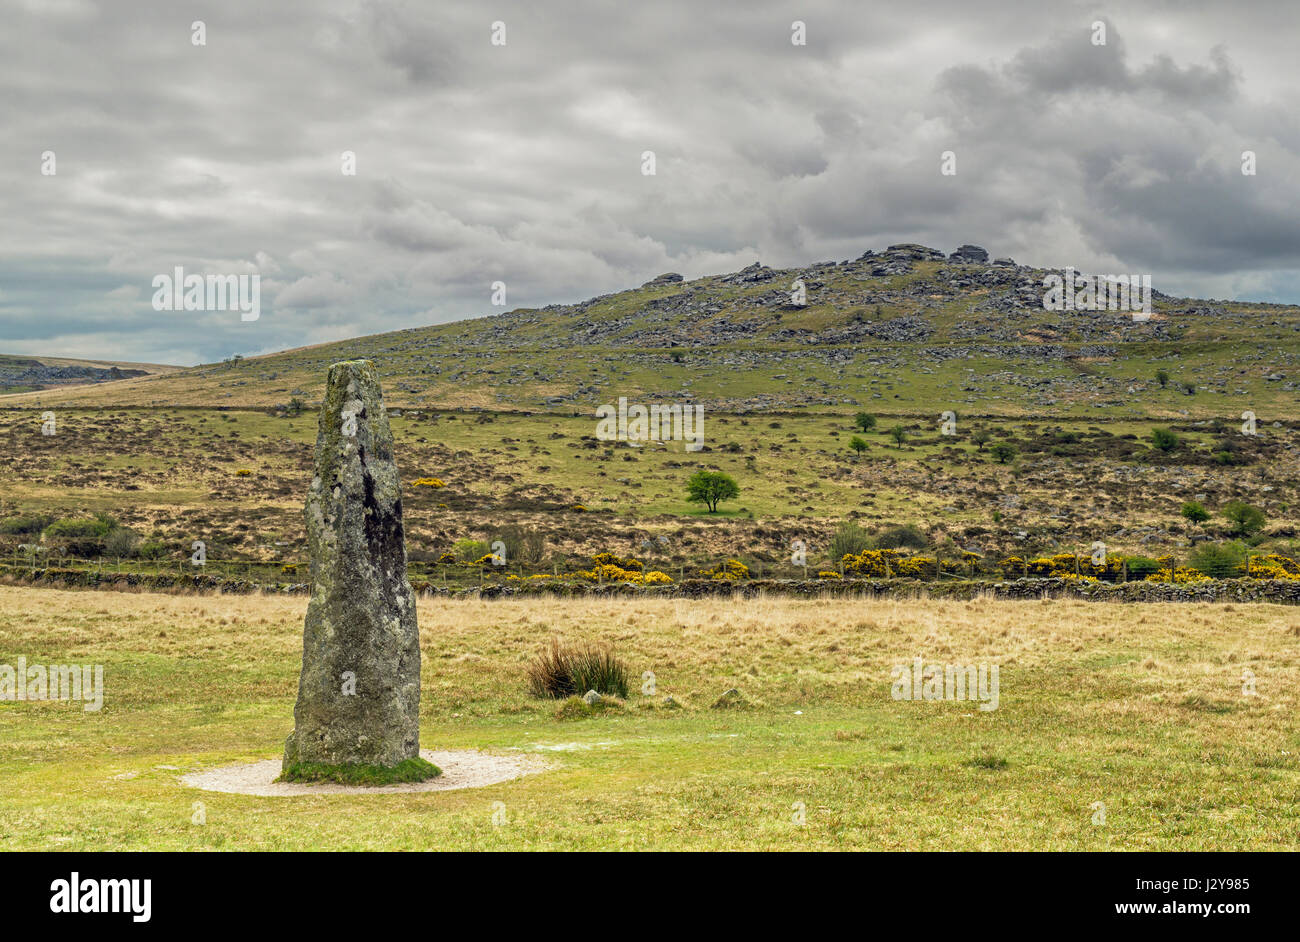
x: 561, y: 671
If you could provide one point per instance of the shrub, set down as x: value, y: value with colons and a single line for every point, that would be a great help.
x: 898, y: 434
x: 467, y: 551
x: 864, y: 421
x: 733, y: 570
x: 70, y: 528
x: 121, y: 542
x: 151, y: 549
x: 1195, y: 511
x: 532, y: 547
x: 1141, y: 566
x: 1244, y: 518
x: 1164, y: 439
x: 626, y: 563
x: 898, y: 537
x: 561, y: 671
x: 858, y: 444
x: 522, y: 544
x: 1216, y: 560
x: 22, y: 525
x: 849, y: 540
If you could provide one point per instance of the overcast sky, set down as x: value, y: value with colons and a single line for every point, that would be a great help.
x: 522, y: 162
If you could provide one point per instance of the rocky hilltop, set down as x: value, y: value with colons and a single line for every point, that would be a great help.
x: 909, y: 328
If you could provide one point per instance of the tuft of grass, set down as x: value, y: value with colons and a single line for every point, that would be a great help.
x: 357, y: 773
x: 565, y: 671
x: 993, y: 763
x: 733, y: 699
x: 1206, y: 704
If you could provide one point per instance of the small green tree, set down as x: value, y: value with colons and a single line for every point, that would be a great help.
x: 864, y: 421
x: 1195, y: 511
x: 981, y: 437
x: 1162, y: 378
x: 858, y: 444
x: 1164, y: 439
x: 1244, y: 518
x: 1003, y: 452
x: 710, y: 487
x: 898, y: 434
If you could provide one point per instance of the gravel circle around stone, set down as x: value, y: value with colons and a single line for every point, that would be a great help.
x: 460, y: 769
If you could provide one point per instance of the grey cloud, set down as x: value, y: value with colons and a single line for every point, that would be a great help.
x: 522, y: 163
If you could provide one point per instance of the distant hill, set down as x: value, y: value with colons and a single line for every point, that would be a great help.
x: 25, y: 374
x: 907, y: 330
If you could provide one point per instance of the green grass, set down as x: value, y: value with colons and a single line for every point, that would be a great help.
x: 1123, y: 705
x: 357, y: 773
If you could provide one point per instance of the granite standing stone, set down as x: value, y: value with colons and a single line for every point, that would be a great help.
x: 359, y: 693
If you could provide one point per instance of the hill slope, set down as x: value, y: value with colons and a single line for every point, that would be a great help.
x: 907, y: 330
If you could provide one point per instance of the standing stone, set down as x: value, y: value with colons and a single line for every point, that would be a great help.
x: 359, y: 694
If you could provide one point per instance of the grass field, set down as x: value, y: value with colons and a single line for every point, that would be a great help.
x: 1139, y: 707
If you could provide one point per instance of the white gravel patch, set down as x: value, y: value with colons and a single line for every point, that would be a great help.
x: 460, y: 769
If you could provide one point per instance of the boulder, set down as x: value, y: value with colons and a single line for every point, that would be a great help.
x: 969, y: 255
